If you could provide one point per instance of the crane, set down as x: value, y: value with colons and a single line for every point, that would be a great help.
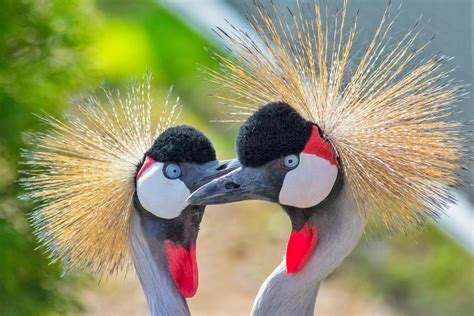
x: 334, y: 137
x: 112, y: 186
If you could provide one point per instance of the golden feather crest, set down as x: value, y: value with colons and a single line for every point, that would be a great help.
x: 81, y: 171
x: 388, y: 117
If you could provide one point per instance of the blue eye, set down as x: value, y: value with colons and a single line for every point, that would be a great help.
x: 172, y: 171
x: 291, y: 161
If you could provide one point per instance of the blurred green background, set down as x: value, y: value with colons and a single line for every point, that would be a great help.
x: 51, y: 51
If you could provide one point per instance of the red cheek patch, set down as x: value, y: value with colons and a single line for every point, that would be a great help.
x: 183, y: 268
x: 146, y: 164
x: 301, y: 246
x: 317, y: 146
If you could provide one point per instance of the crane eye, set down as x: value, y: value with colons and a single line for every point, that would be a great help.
x: 291, y: 161
x: 172, y: 171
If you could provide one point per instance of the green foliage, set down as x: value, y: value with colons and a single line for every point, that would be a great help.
x: 29, y: 285
x: 425, y: 274
x: 174, y: 53
x: 43, y: 57
x: 52, y: 49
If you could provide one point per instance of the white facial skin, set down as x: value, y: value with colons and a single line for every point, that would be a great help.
x: 163, y: 196
x: 309, y: 183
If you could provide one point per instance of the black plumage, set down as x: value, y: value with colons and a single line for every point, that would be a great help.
x: 182, y: 143
x: 274, y: 131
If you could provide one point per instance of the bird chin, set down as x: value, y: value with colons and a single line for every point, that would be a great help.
x: 301, y: 245
x: 182, y: 266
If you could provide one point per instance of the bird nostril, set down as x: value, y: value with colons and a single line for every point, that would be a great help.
x: 222, y: 167
x: 231, y: 185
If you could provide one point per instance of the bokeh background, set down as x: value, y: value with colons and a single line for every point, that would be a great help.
x: 54, y: 51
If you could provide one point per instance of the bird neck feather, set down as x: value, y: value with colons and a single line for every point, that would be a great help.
x: 162, y: 296
x: 340, y: 227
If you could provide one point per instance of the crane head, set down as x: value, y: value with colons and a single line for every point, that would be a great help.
x: 180, y: 160
x: 285, y: 160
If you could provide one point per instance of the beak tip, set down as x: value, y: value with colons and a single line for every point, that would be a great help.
x: 194, y: 198
x: 220, y: 190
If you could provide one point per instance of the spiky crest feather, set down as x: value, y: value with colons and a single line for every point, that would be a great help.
x: 389, y: 119
x: 81, y: 171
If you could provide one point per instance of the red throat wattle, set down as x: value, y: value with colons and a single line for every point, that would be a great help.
x: 183, y: 268
x: 301, y: 245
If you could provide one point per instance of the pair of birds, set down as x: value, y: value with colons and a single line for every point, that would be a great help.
x: 327, y: 143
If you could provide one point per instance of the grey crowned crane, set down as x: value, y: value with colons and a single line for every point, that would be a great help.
x: 111, y: 186
x: 285, y: 160
x: 333, y: 144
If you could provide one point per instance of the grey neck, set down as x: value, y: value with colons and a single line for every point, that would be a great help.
x: 340, y: 228
x: 162, y: 296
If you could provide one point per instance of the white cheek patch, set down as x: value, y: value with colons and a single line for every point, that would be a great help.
x: 163, y: 197
x: 309, y: 183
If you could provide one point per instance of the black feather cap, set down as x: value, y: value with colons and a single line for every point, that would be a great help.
x: 182, y: 143
x: 274, y: 131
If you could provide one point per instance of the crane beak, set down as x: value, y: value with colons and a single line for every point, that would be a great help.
x: 261, y: 183
x: 243, y: 183
x: 207, y: 172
